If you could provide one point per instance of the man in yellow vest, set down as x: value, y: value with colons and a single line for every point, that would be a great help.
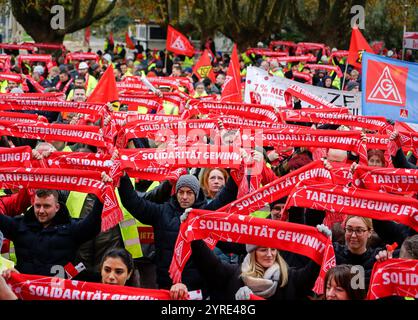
x: 91, y: 82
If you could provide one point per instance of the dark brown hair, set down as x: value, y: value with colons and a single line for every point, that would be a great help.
x: 42, y: 193
x: 342, y: 275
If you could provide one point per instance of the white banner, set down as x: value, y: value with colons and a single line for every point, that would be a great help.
x: 267, y: 89
x: 410, y: 40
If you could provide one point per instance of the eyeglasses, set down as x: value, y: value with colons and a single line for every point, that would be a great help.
x: 358, y: 232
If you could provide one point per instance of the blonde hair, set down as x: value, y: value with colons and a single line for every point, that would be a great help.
x: 256, y: 270
x: 367, y: 221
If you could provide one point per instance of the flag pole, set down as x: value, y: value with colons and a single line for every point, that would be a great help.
x: 345, y: 73
x: 165, y: 60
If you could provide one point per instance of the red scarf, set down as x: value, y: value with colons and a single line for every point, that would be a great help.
x: 15, y: 157
x: 32, y: 96
x: 156, y: 174
x: 302, y: 94
x: 163, y: 131
x: 134, y: 102
x: 53, y: 131
x: 67, y: 179
x: 21, y: 117
x: 198, y: 156
x: 292, y: 237
x: 320, y: 116
x: 34, y: 287
x: 83, y: 161
x: 354, y: 201
x: 244, y: 110
x: 35, y: 84
x: 230, y: 122
x: 67, y: 85
x: 386, y: 179
x: 53, y: 105
x: 394, y: 277
x: 277, y: 189
x: 344, y: 140
x: 121, y: 118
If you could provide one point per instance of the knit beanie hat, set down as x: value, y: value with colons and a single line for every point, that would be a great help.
x: 188, y: 180
x: 250, y: 247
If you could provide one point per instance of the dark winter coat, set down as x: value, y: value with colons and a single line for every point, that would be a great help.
x: 38, y: 249
x: 165, y: 219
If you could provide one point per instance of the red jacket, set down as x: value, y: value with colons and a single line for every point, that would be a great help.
x: 16, y: 203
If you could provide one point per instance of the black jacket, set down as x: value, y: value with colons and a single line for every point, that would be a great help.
x: 366, y: 260
x: 38, y: 249
x: 224, y: 278
x: 165, y: 219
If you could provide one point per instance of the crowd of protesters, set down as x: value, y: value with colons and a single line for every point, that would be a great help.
x: 43, y: 228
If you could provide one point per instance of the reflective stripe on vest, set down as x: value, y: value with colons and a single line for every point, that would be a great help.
x: 129, y: 230
x: 8, y: 249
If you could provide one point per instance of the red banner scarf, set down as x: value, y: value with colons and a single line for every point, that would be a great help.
x: 31, y: 96
x: 52, y: 105
x: 121, y: 118
x: 11, y: 77
x: 21, y: 117
x: 220, y: 226
x: 344, y: 140
x: 231, y: 122
x: 65, y: 88
x: 134, y: 103
x: 90, y: 135
x: 15, y: 157
x: 394, y: 277
x: 183, y: 129
x: 354, y: 201
x: 320, y: 116
x: 302, y: 94
x: 325, y: 67
x: 35, y: 84
x: 177, y: 98
x: 83, y: 161
x: 198, y: 156
x: 386, y: 179
x: 67, y: 179
x: 34, y: 287
x: 277, y: 189
x: 156, y: 174
x: 128, y: 85
x: 305, y: 58
x: 244, y: 110
x: 79, y: 56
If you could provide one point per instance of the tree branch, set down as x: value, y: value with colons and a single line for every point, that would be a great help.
x: 88, y: 20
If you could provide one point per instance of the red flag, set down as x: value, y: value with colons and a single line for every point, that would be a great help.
x: 129, y: 43
x: 111, y: 40
x: 87, y: 36
x: 231, y: 89
x: 105, y: 90
x: 178, y: 43
x: 357, y: 45
x: 203, y: 68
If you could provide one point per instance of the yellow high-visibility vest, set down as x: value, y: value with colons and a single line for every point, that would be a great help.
x: 128, y: 226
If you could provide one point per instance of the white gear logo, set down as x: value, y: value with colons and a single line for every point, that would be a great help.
x: 385, y: 89
x: 178, y: 44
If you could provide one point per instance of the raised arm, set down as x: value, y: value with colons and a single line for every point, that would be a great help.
x: 143, y: 210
